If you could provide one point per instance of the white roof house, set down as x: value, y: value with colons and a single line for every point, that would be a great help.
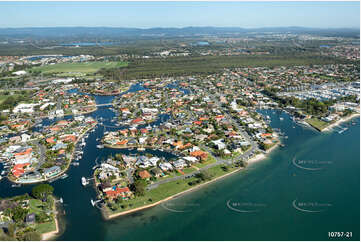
x: 19, y: 73
x: 25, y: 108
x: 25, y: 137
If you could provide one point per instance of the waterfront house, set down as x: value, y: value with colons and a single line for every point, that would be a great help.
x: 115, y: 192
x: 51, y: 140
x: 25, y: 138
x: 30, y: 218
x: 154, y: 160
x: 52, y: 171
x: 105, y: 187
x: 219, y: 144
x: 19, y: 169
x: 179, y: 164
x: 15, y: 139
x: 199, y: 154
x: 144, y: 175
x: 190, y: 159
x: 156, y: 172
x: 33, y: 175
x: 129, y: 160
x: 166, y: 166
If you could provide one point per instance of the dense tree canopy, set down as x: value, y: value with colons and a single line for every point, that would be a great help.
x: 42, y: 191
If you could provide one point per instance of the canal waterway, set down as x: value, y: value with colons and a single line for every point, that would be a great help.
x: 300, y: 192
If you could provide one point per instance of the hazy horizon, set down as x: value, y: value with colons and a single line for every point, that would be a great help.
x: 170, y: 27
x: 145, y: 15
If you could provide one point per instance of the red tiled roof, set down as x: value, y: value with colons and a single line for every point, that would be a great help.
x: 144, y: 174
x: 19, y: 169
x: 137, y: 120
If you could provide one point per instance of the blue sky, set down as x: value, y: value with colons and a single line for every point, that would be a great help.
x: 180, y: 14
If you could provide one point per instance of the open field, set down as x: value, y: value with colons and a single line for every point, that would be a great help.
x: 3, y: 98
x: 46, y: 227
x: 317, y: 124
x: 83, y: 67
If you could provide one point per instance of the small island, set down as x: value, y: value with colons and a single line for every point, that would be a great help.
x: 106, y: 88
x: 29, y: 217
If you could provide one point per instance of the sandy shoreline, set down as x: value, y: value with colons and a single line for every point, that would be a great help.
x: 338, y: 122
x: 262, y: 156
x: 171, y: 197
x: 49, y: 235
x: 256, y: 158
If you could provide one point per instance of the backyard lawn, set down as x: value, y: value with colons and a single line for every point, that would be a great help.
x: 317, y: 123
x: 45, y: 227
x: 208, y: 161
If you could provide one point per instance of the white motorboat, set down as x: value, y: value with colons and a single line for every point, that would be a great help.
x: 84, y: 181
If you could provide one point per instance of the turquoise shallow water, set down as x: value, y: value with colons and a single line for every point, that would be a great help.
x: 260, y: 198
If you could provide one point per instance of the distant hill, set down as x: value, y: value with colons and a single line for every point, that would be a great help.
x: 55, y: 32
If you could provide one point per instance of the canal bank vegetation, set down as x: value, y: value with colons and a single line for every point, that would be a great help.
x: 28, y: 217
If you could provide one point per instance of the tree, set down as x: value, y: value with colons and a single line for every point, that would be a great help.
x: 204, y: 175
x: 42, y: 191
x: 139, y: 187
x: 32, y: 236
x: 11, y: 230
x: 3, y: 117
x: 70, y: 147
x: 19, y: 214
x: 114, y: 206
x: 225, y: 168
x: 5, y: 237
x: 41, y: 217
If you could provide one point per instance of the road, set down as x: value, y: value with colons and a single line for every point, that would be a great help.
x: 130, y: 175
x: 42, y: 154
x: 254, y: 147
x: 58, y: 104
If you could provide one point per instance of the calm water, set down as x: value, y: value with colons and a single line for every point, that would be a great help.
x: 265, y: 189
